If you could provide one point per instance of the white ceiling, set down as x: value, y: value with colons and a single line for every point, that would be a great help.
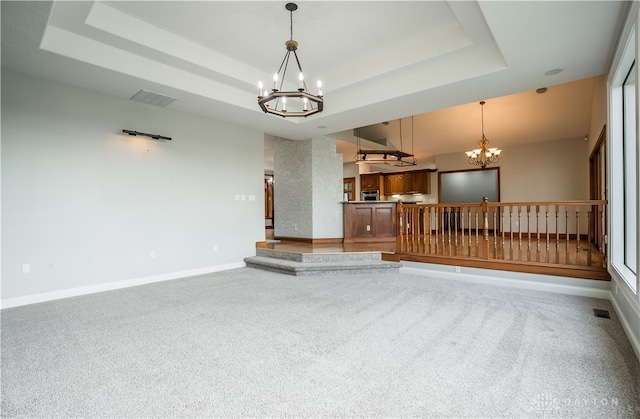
x: 378, y: 61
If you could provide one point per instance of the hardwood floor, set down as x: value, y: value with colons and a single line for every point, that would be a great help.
x: 300, y: 247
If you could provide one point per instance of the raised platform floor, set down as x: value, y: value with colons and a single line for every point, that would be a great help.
x: 397, y: 252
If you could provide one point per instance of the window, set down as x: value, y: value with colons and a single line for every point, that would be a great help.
x: 629, y: 179
x: 623, y: 197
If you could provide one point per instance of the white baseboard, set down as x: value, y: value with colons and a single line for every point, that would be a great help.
x: 91, y: 289
x: 529, y: 283
x: 626, y: 325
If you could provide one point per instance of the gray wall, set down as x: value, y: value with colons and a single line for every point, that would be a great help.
x: 551, y: 170
x: 327, y: 189
x: 84, y: 204
x: 308, y: 189
x: 292, y: 190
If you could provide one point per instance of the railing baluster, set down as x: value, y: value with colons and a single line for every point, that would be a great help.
x: 485, y: 228
x: 538, y: 228
x: 577, y: 235
x: 477, y: 228
x: 519, y: 229
x: 589, y: 236
x: 455, y: 228
x: 538, y: 253
x: 510, y: 232
x: 567, y: 208
x: 436, y: 239
x: 603, y: 232
x: 546, y: 229
x: 429, y: 233
x: 444, y: 212
x: 529, y: 232
x: 470, y: 235
x: 449, y: 229
x: 463, y: 211
x: 502, y: 222
x: 495, y: 232
x: 557, y: 234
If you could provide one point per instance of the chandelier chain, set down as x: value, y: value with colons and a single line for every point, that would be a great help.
x: 401, y: 147
x: 482, y: 109
x: 291, y: 24
x: 412, y: 135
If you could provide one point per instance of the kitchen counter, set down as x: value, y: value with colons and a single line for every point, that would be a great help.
x: 369, y: 221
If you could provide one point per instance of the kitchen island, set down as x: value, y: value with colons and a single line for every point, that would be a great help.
x: 369, y: 221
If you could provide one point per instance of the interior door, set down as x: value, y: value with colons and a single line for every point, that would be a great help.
x: 349, y: 188
x: 598, y: 185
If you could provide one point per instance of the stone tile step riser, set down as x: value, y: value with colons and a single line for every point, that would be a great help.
x: 320, y: 257
x: 326, y: 268
x: 289, y: 271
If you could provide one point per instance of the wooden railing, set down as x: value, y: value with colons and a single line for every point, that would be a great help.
x: 559, y: 233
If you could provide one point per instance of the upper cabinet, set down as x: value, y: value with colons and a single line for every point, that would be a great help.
x: 394, y: 184
x: 411, y: 182
x: 421, y: 182
x: 370, y: 182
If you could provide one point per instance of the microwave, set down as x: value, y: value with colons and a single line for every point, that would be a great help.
x: 370, y: 195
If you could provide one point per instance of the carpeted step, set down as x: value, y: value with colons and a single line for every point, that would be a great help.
x: 332, y: 266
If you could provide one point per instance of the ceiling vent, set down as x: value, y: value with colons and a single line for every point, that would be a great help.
x: 151, y: 98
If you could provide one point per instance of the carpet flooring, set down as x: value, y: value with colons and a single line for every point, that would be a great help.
x: 250, y: 343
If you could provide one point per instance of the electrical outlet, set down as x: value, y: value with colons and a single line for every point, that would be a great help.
x: 456, y: 269
x: 368, y: 227
x: 215, y: 247
x: 26, y: 268
x: 152, y: 255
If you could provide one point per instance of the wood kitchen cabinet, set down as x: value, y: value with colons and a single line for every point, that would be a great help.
x: 411, y: 182
x: 421, y: 182
x: 394, y: 184
x: 370, y: 182
x: 369, y: 222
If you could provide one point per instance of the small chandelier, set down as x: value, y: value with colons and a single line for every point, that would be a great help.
x: 292, y: 103
x: 484, y: 155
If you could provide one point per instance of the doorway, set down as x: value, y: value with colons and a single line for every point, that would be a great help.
x: 268, y: 203
x: 598, y: 185
x: 349, y: 189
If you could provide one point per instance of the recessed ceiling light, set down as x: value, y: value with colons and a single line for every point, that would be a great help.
x: 322, y: 126
x: 552, y: 72
x: 541, y: 90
